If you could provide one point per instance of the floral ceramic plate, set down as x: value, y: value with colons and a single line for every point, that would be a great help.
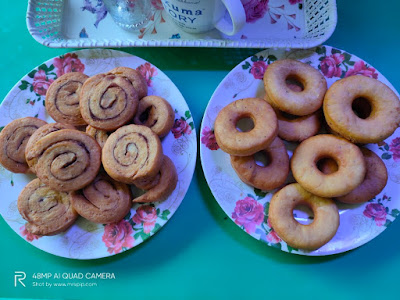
x: 86, y: 240
x: 247, y: 206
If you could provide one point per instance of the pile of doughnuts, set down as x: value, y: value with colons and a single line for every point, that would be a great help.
x: 329, y: 127
x: 105, y: 142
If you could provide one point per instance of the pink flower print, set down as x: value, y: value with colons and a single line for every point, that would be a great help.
x: 28, y: 236
x: 41, y: 83
x: 208, y: 139
x: 394, y: 147
x: 180, y: 128
x: 148, y: 72
x: 147, y: 215
x: 117, y: 236
x: 360, y: 68
x: 68, y: 63
x: 157, y: 4
x: 272, y: 236
x: 377, y: 212
x: 255, y: 9
x: 292, y: 2
x: 248, y: 213
x: 258, y: 69
x: 330, y: 65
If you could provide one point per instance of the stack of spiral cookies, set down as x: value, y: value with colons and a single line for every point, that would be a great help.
x: 329, y: 164
x: 91, y: 173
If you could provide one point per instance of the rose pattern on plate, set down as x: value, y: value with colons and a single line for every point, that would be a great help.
x: 248, y: 213
x: 68, y: 63
x: 208, y: 138
x: 148, y: 72
x: 118, y: 237
x: 379, y: 212
x: 27, y: 235
x: 258, y: 65
x: 183, y: 126
x: 390, y: 151
x: 147, y: 216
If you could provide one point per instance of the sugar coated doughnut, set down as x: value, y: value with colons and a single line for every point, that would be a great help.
x: 108, y: 101
x: 156, y: 113
x: 47, y: 211
x: 13, y: 140
x: 238, y: 143
x: 267, y: 177
x: 165, y: 186
x: 134, y: 77
x: 287, y: 99
x: 63, y: 96
x: 66, y: 160
x: 383, y: 119
x: 131, y: 153
x: 307, y: 237
x: 103, y: 201
x: 349, y: 158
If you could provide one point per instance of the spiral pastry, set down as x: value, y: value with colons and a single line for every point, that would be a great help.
x: 166, y: 185
x: 156, y: 113
x: 103, y: 201
x: 66, y: 160
x: 47, y: 211
x: 99, y: 135
x: 108, y: 101
x: 38, y: 134
x: 13, y: 140
x: 131, y: 153
x: 63, y: 96
x: 135, y: 77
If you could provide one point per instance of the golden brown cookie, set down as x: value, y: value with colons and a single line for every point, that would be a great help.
x: 382, y: 120
x: 165, y: 186
x: 156, y: 113
x: 299, y: 103
x: 307, y: 237
x: 349, y: 158
x: 108, y: 101
x: 134, y: 77
x: 238, y: 143
x: 131, y: 153
x: 66, y: 160
x: 103, y: 201
x: 13, y: 140
x: 267, y: 177
x: 99, y: 135
x: 63, y: 96
x: 38, y: 134
x: 47, y: 211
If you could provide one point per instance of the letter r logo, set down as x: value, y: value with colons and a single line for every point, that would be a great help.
x: 19, y: 276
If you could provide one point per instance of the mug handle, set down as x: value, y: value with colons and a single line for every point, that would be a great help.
x: 238, y: 17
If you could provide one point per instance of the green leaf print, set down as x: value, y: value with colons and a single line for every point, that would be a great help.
x: 386, y: 156
x: 24, y: 85
x: 254, y: 58
x: 1, y: 128
x: 191, y: 125
x: 187, y: 114
x: 272, y: 58
x: 246, y: 65
x: 320, y: 50
x: 334, y: 51
x: 156, y: 227
x: 394, y: 213
x: 290, y: 249
x: 32, y: 73
x: 165, y: 214
x: 259, y: 193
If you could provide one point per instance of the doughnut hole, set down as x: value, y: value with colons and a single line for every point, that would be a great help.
x: 294, y: 83
x: 144, y: 116
x: 361, y: 107
x: 303, y: 214
x: 327, y: 165
x: 262, y: 158
x: 245, y: 124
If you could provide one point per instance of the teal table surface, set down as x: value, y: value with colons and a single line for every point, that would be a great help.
x: 201, y: 253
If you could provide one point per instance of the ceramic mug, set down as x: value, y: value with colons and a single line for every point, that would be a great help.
x: 196, y: 16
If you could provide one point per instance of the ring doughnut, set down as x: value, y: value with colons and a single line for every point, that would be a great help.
x: 266, y: 177
x: 66, y: 160
x: 108, y: 101
x: 38, y: 134
x: 13, y: 140
x: 156, y: 113
x: 63, y: 96
x: 132, y: 152
x: 349, y: 158
x: 134, y: 77
x: 238, y: 143
x: 285, y: 98
x: 383, y: 119
x: 99, y: 135
x: 47, y: 211
x: 375, y: 178
x: 103, y: 201
x: 308, y: 237
x: 165, y: 186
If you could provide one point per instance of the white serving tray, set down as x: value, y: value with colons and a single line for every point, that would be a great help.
x: 272, y: 24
